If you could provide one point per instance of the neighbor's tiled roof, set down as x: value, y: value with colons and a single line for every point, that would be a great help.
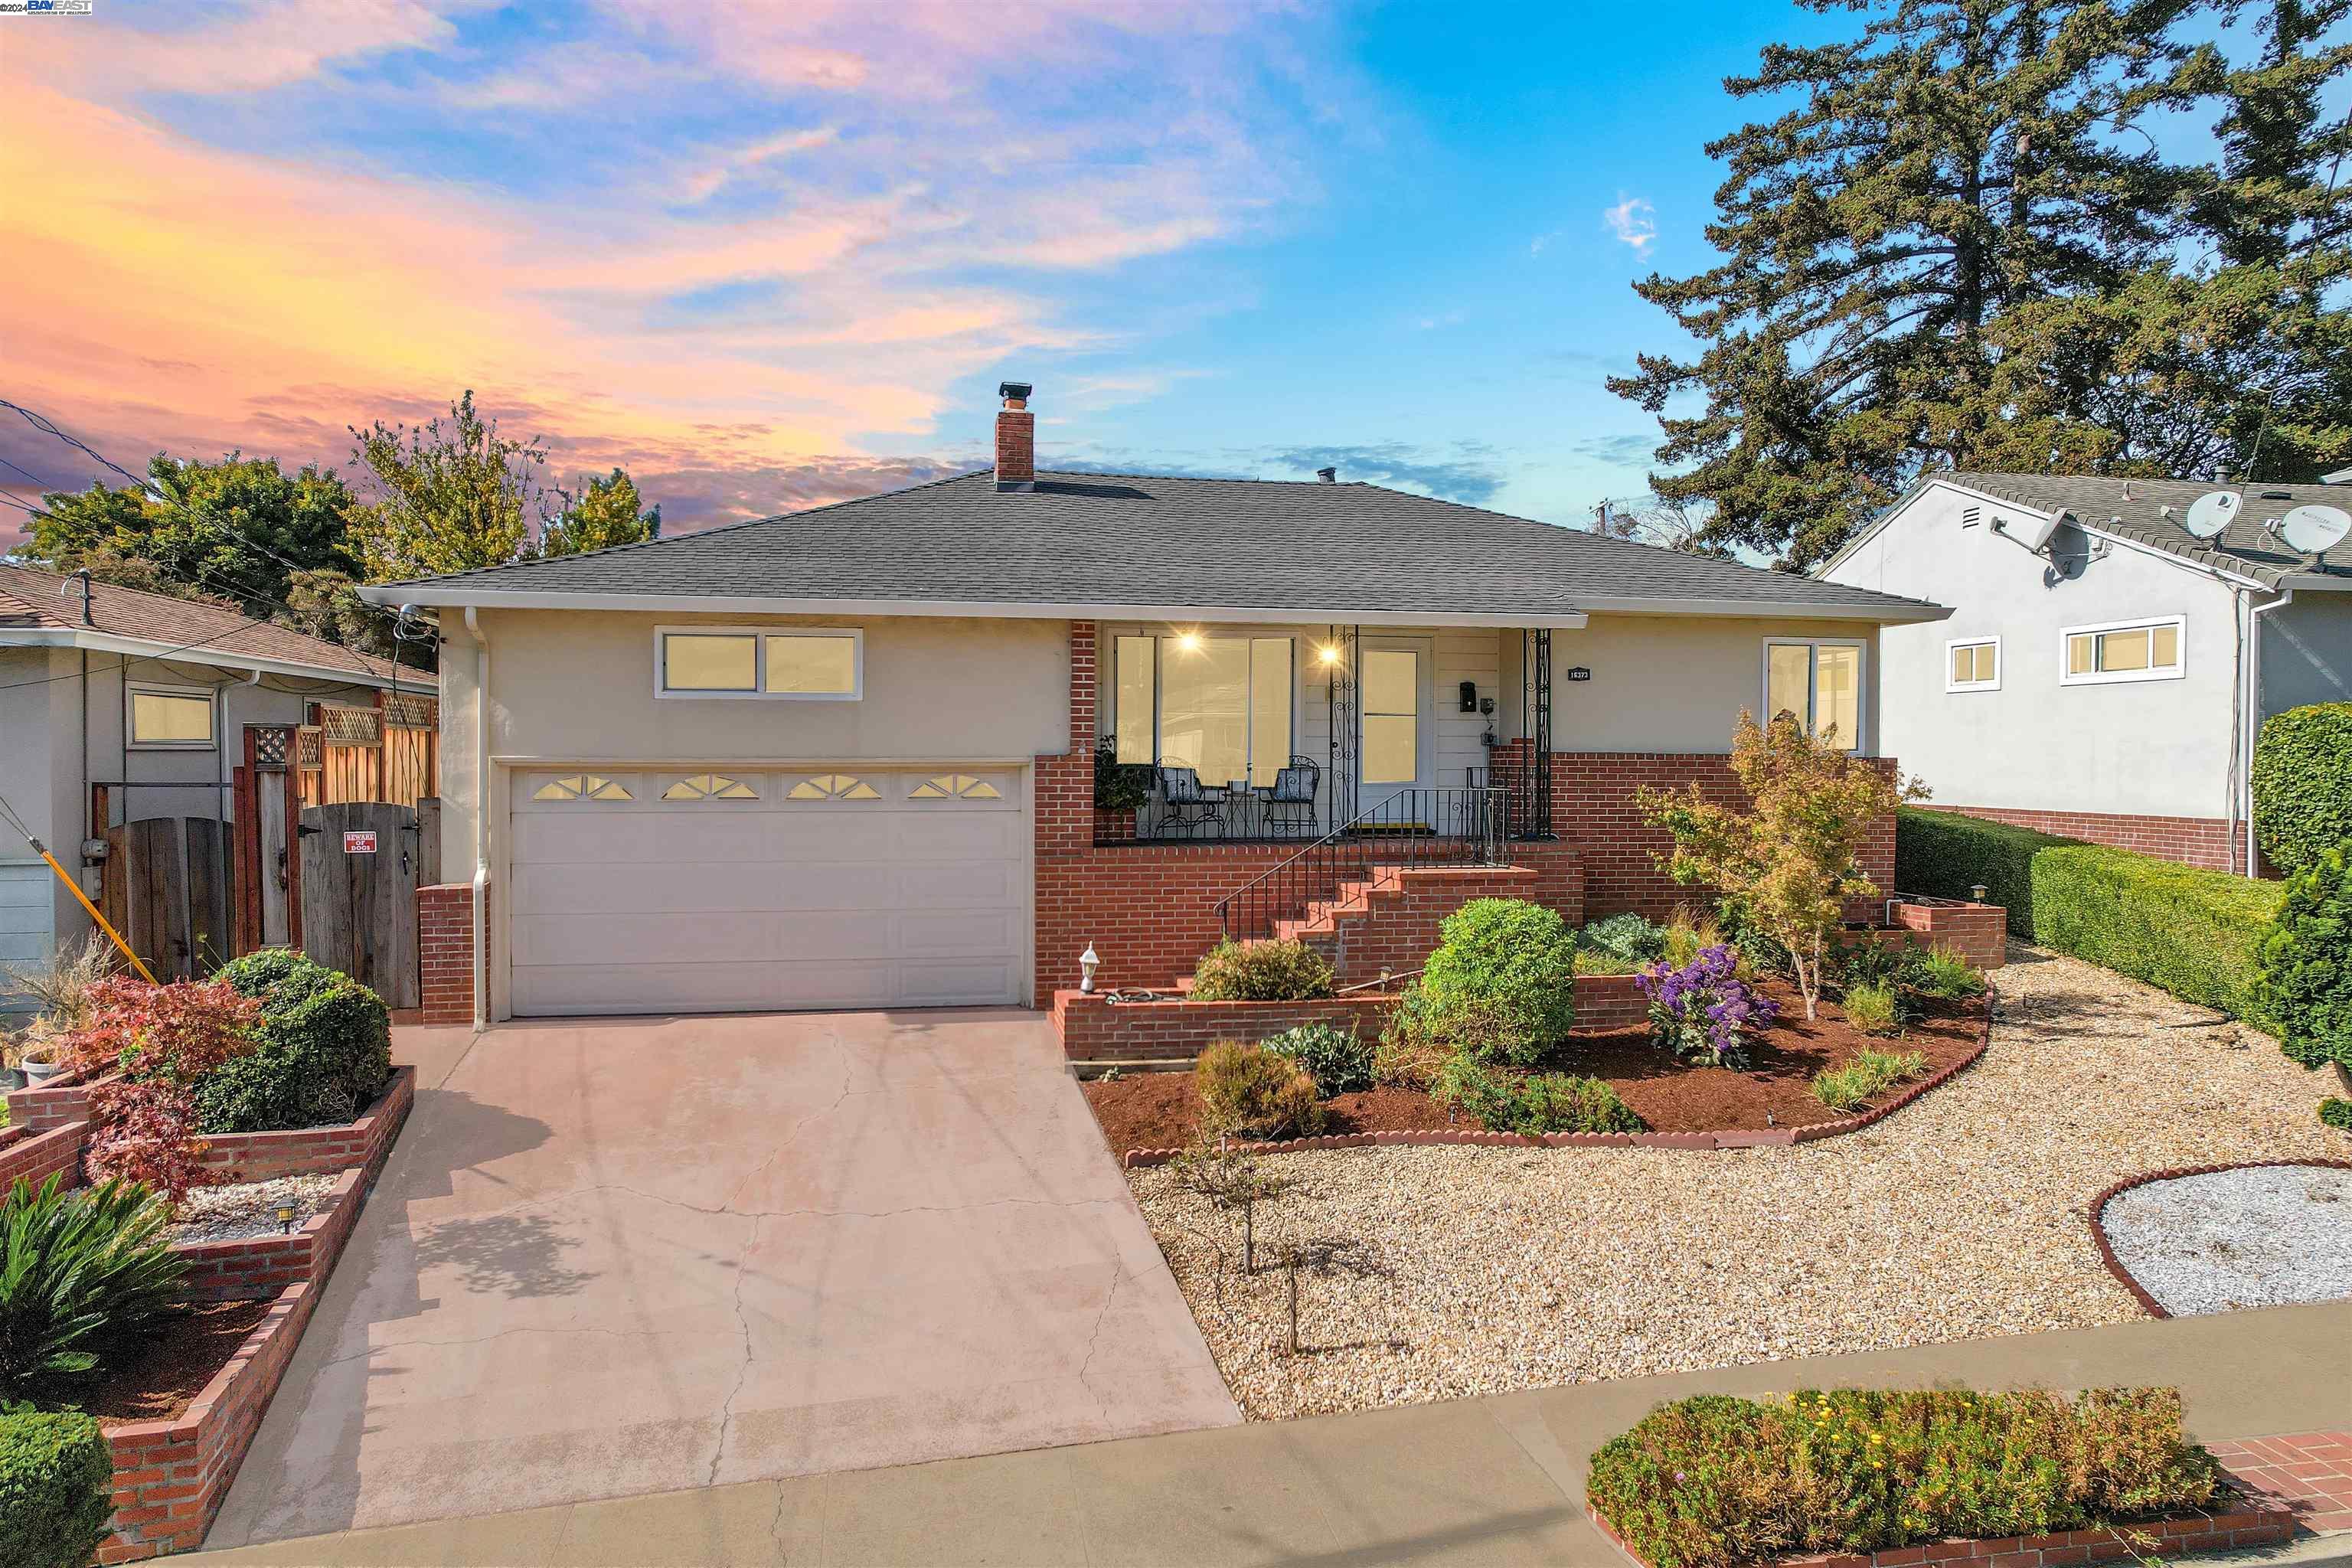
x: 2244, y: 547
x: 1107, y: 540
x: 30, y: 597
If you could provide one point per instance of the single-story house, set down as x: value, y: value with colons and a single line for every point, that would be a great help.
x: 2106, y: 670
x: 144, y: 697
x: 847, y: 757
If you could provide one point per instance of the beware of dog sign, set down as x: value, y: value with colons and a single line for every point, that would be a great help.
x: 358, y: 843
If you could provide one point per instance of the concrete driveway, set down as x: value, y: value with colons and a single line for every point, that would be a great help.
x: 612, y: 1257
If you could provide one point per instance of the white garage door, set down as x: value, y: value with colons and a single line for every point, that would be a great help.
x: 670, y: 890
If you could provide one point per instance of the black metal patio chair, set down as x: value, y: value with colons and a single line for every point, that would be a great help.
x: 1190, y: 808
x: 1289, y: 803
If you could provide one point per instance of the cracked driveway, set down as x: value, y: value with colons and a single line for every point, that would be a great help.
x: 611, y: 1257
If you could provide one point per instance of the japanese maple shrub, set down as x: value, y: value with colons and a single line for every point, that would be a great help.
x: 1790, y: 858
x: 1702, y: 1011
x: 165, y: 1040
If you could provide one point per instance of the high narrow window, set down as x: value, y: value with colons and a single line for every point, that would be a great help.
x: 171, y: 717
x: 2135, y: 651
x: 1820, y: 683
x: 789, y: 664
x: 1218, y: 705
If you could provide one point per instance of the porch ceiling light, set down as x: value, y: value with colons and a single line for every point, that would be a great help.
x: 1187, y: 642
x: 1327, y: 654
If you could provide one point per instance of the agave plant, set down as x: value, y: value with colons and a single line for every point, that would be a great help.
x: 77, y: 1267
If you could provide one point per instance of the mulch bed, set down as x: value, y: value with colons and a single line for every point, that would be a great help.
x: 1159, y: 1110
x: 159, y: 1377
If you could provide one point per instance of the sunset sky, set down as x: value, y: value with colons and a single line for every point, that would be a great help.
x: 768, y: 254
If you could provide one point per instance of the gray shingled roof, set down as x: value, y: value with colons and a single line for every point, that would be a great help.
x: 210, y: 630
x: 2244, y: 547
x: 1103, y: 540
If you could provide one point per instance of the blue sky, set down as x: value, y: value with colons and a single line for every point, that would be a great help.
x: 769, y: 254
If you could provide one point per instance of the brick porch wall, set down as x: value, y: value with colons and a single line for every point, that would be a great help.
x: 2204, y: 841
x: 1395, y: 928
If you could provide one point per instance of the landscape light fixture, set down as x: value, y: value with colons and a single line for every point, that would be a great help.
x: 1088, y: 962
x: 285, y: 1219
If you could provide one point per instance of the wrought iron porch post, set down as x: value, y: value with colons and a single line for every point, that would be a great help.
x: 1531, y: 803
x: 1343, y: 715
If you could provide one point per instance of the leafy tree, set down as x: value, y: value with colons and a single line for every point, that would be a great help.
x: 239, y: 529
x: 1952, y: 250
x: 450, y: 497
x: 605, y: 512
x: 1791, y: 858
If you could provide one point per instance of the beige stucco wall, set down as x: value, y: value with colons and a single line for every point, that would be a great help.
x: 578, y: 686
x: 1677, y: 683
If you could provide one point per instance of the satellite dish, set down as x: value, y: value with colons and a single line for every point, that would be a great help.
x: 2315, y: 530
x: 2211, y: 512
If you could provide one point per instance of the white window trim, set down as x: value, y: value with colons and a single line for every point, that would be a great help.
x: 1992, y: 685
x: 134, y: 688
x: 2116, y: 677
x: 1106, y: 686
x: 1812, y: 683
x: 759, y: 636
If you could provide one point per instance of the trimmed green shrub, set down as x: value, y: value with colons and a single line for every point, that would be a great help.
x: 1714, y: 1481
x: 1873, y: 1009
x: 1628, y: 939
x: 2189, y: 932
x: 2306, y: 963
x: 1248, y: 1091
x: 2303, y: 783
x: 321, y: 1053
x: 1502, y: 983
x: 56, y: 1488
x: 1865, y: 1076
x: 2337, y: 1112
x: 77, y: 1269
x: 1339, y: 1060
x: 1531, y: 1102
x: 1943, y: 854
x: 1261, y: 972
x: 1943, y: 973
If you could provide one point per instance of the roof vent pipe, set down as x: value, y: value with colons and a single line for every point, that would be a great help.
x: 1328, y: 476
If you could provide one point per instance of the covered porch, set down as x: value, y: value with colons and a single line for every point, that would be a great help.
x: 1270, y: 733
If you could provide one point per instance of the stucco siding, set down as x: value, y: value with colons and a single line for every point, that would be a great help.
x: 1677, y: 683
x: 2307, y: 651
x: 2157, y: 748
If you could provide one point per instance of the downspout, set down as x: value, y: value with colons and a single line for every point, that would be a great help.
x: 2252, y: 693
x: 481, y: 814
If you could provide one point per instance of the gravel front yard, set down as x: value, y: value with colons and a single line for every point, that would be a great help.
x: 2262, y: 1236
x: 242, y: 1209
x: 1479, y: 1270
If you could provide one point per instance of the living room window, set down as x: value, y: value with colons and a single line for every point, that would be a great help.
x: 172, y: 718
x: 809, y: 665
x: 2123, y: 650
x: 1219, y: 705
x: 1972, y: 664
x: 1820, y: 682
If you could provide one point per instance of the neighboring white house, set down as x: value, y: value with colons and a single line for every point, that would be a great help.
x: 146, y: 694
x: 2108, y: 685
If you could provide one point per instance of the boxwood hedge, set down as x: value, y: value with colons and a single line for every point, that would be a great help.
x: 2193, y: 932
x: 56, y: 1488
x: 2303, y: 783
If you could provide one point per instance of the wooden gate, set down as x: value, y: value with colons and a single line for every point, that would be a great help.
x: 165, y: 887
x: 358, y: 889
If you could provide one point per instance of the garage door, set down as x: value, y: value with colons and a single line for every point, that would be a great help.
x: 744, y: 890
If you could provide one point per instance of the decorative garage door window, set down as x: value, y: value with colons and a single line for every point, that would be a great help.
x: 709, y: 786
x: 581, y: 786
x: 955, y: 786
x: 834, y: 787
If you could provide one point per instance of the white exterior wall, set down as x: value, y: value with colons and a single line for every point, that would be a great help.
x: 2307, y: 651
x: 2158, y: 748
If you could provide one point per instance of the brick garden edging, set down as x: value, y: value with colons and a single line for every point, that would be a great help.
x: 2253, y: 1524
x: 35, y: 1157
x: 1765, y: 1138
x: 63, y: 1099
x: 255, y: 1268
x: 2099, y: 1207
x: 317, y: 1151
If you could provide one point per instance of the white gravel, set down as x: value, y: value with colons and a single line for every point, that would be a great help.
x: 1481, y: 1270
x: 240, y: 1209
x: 2259, y: 1238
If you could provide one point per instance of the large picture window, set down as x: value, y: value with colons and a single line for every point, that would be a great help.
x: 1820, y: 683
x: 1218, y: 705
x: 729, y: 661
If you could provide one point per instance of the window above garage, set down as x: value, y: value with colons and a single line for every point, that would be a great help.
x: 792, y: 664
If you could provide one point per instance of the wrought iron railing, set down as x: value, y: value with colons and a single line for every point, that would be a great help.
x: 1526, y: 785
x: 1411, y: 828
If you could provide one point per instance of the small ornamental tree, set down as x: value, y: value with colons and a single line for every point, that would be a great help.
x: 1791, y: 858
x: 2305, y: 978
x: 165, y: 1040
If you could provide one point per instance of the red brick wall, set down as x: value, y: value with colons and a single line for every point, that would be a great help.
x: 445, y: 951
x: 1610, y: 1001
x: 61, y: 1099
x: 317, y: 1151
x: 33, y: 1156
x: 1093, y: 1030
x: 1393, y: 924
x: 1977, y: 932
x: 257, y: 1267
x: 2204, y: 841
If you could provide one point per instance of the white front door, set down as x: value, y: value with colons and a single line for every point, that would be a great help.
x: 694, y: 889
x: 1392, y: 699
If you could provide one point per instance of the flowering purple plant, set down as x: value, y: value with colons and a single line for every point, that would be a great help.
x: 1702, y: 1012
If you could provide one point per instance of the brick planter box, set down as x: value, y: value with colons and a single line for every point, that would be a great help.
x: 35, y: 1157
x: 1610, y: 1001
x: 63, y: 1099
x: 317, y: 1151
x: 257, y: 1267
x: 2247, y: 1524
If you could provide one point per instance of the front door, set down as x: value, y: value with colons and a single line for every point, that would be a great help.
x: 1395, y: 703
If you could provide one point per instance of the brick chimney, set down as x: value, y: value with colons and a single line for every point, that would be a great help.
x: 1016, y: 439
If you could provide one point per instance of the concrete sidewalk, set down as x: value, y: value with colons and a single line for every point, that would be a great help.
x: 1495, y: 1480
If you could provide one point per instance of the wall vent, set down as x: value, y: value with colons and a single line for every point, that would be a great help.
x: 1970, y: 516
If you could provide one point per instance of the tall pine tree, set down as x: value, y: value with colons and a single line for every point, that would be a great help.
x: 1959, y: 248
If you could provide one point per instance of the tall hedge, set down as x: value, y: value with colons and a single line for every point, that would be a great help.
x: 2192, y: 932
x: 2308, y: 963
x: 56, y: 1488
x: 2303, y: 783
